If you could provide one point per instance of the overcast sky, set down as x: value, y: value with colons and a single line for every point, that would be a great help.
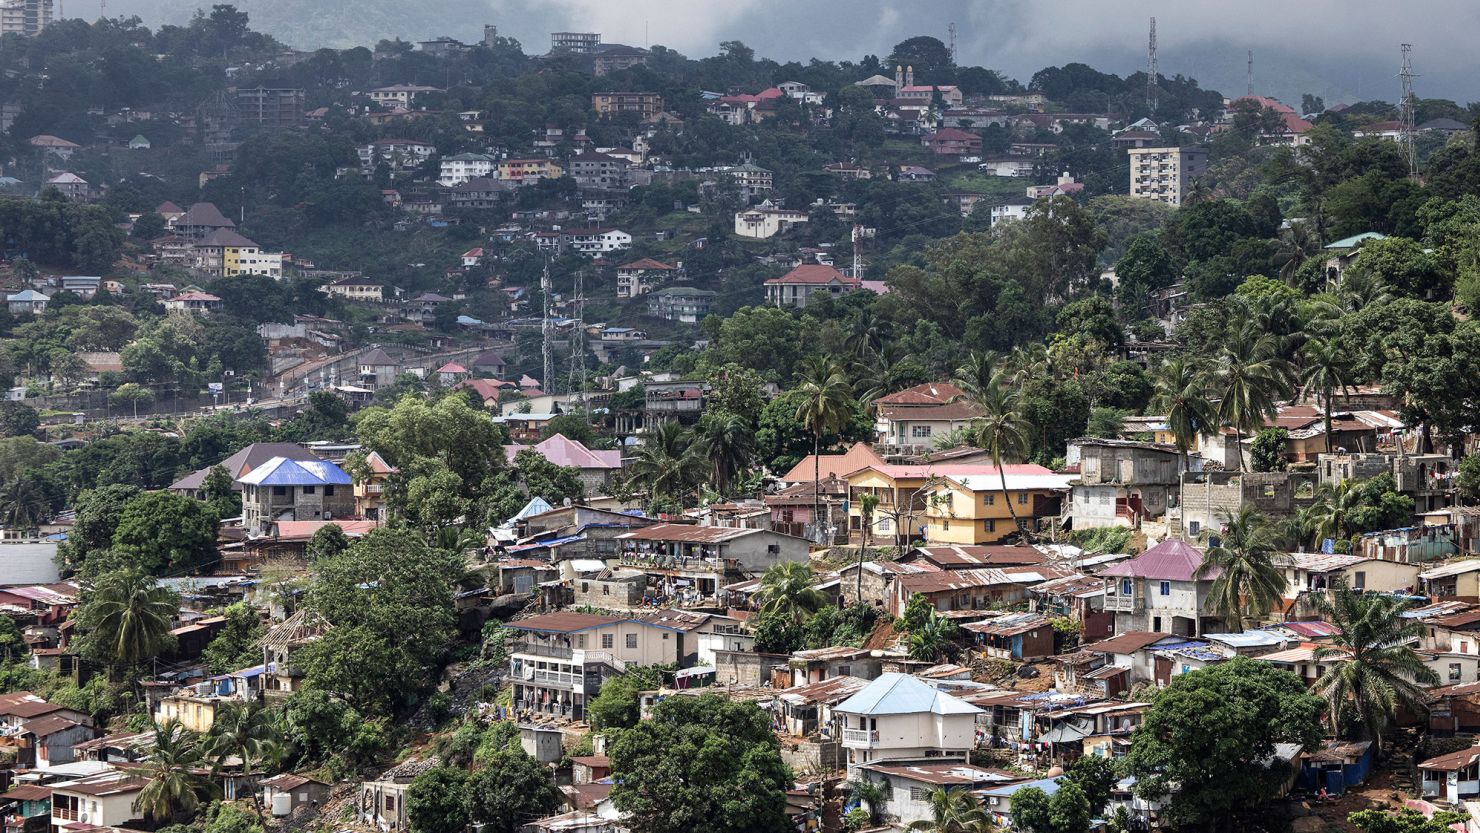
x: 1343, y: 49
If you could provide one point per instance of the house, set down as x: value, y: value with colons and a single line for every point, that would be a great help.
x: 1063, y: 187
x: 238, y: 464
x: 1209, y: 497
x: 528, y: 171
x: 951, y: 141
x: 807, y: 710
x: 356, y: 288
x: 462, y: 167
x: 1121, y: 662
x: 1453, y: 778
x: 559, y: 660
x: 1011, y: 208
x: 597, y: 240
x: 1121, y: 482
x: 105, y: 799
x: 848, y: 170
x: 286, y: 792
x: 398, y: 155
x: 1456, y: 580
x: 695, y: 561
x: 979, y: 507
x: 451, y: 373
x: 1016, y: 636
x: 908, y: 785
x: 906, y: 88
x: 1008, y: 166
x: 914, y: 173
x: 909, y: 421
x: 193, y: 302
x: 24, y: 802
x: 382, y: 803
x: 377, y: 368
x: 489, y: 363
x: 224, y: 253
x: 1166, y: 174
x: 897, y: 716
x: 399, y: 95
x: 796, y: 288
x: 766, y: 220
x: 642, y: 276
x: 645, y: 104
x: 598, y: 468
x: 683, y: 304
x: 794, y: 509
x: 751, y: 179
x: 48, y: 740
x: 54, y: 146
x: 284, y: 489
x: 369, y: 490
x: 828, y: 466
x: 599, y: 171
x: 71, y: 186
x: 281, y: 677
x: 1078, y: 597
x: 1317, y: 572
x: 199, y: 220
x: 817, y: 664
x: 472, y: 257
x: 27, y: 301
x: 1160, y: 590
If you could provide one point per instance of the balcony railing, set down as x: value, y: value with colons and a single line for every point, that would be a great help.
x: 860, y: 737
x: 1123, y: 604
x: 539, y: 650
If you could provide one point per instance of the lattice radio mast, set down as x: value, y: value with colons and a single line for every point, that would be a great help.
x: 1151, y: 70
x: 547, y: 333
x: 1251, y: 72
x: 951, y: 30
x: 1408, y: 109
x: 577, y: 376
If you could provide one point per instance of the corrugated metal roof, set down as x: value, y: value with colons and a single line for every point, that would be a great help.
x: 894, y: 693
x: 280, y: 471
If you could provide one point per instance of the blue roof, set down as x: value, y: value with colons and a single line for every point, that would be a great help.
x: 28, y: 295
x: 280, y: 471
x: 1048, y: 785
x: 895, y: 693
x: 552, y: 542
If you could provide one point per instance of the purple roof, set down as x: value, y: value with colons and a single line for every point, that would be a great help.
x: 1171, y: 559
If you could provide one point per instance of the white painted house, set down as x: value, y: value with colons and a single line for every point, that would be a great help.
x: 899, y: 717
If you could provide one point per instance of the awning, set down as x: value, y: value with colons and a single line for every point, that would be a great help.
x: 693, y: 672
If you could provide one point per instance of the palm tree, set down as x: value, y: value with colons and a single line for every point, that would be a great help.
x: 1331, y: 512
x: 174, y: 787
x: 1297, y: 244
x: 825, y: 407
x: 867, y: 505
x: 22, y: 505
x: 878, y: 373
x: 928, y: 641
x: 1179, y: 393
x: 1324, y: 367
x: 729, y: 444
x: 786, y: 590
x: 871, y: 795
x: 667, y: 463
x: 1249, y: 378
x: 129, y: 616
x: 1248, y: 583
x: 247, y: 732
x: 954, y: 811
x: 1371, y: 669
x: 1002, y: 429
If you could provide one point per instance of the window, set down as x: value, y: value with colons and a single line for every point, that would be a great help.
x: 845, y: 670
x: 1156, y: 623
x: 632, y: 641
x: 279, y: 491
x: 1022, y: 498
x: 1360, y: 580
x: 991, y: 499
x: 1125, y: 587
x: 607, y: 640
x: 606, y: 589
x: 920, y: 432
x: 945, y: 525
x: 991, y: 525
x: 919, y: 794
x: 665, y: 637
x: 773, y: 549
x: 1166, y: 588
x: 390, y: 804
x: 328, y: 491
x: 308, y: 490
x: 1455, y: 672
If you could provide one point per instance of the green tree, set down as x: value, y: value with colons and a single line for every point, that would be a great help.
x: 727, y: 440
x: 18, y: 419
x: 131, y: 395
x: 1467, y: 478
x: 327, y: 541
x: 617, y: 705
x: 98, y: 513
x: 1325, y: 367
x: 319, y: 727
x: 437, y: 801
x: 542, y: 478
x: 1096, y: 777
x: 126, y: 617
x: 929, y: 640
x: 1405, y: 821
x: 701, y: 763
x: 575, y: 427
x: 1210, y: 736
x: 1002, y: 429
x: 1402, y: 266
x: 667, y: 464
x: 236, y: 645
x: 510, y: 789
x: 786, y: 590
x: 954, y: 811
x: 826, y: 403
x: 1248, y: 379
x: 163, y: 532
x: 173, y: 789
x: 223, y: 817
x: 1267, y: 451
x: 1247, y: 584
x: 1372, y: 670
x: 1066, y: 811
x: 247, y: 733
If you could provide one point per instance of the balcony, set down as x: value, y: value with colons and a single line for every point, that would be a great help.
x: 860, y: 738
x: 541, y: 650
x: 1124, y: 604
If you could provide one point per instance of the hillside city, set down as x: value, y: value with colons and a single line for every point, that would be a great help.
x: 582, y: 437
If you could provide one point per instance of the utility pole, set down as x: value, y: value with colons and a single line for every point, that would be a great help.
x: 547, y: 331
x: 1251, y: 72
x: 1407, y: 109
x: 1151, y: 70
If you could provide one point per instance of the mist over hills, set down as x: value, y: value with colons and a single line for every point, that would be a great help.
x: 1327, y: 47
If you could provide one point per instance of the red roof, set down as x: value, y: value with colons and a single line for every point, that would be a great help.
x: 645, y: 263
x: 930, y: 393
x: 812, y: 274
x: 452, y: 367
x: 833, y: 465
x: 952, y: 134
x: 1172, y: 560
x: 1127, y: 643
x: 922, y: 470
x: 563, y: 451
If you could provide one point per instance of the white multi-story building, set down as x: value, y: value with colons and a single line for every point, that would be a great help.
x: 1166, y: 174
x: 766, y: 220
x: 561, y: 659
x: 25, y: 17
x: 594, y: 242
x: 464, y: 167
x: 399, y: 94
x: 397, y: 154
x: 898, y: 717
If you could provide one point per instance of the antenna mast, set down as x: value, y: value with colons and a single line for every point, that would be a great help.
x: 1408, y: 110
x: 577, y: 380
x: 547, y: 331
x: 1251, y: 72
x: 1151, y: 70
x: 952, y: 30
x: 857, y: 261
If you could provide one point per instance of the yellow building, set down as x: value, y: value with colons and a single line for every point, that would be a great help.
x: 523, y: 170
x: 952, y: 504
x: 370, y: 487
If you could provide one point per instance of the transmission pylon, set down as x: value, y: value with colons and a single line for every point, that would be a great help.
x: 1151, y: 70
x: 547, y: 333
x: 1408, y: 106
